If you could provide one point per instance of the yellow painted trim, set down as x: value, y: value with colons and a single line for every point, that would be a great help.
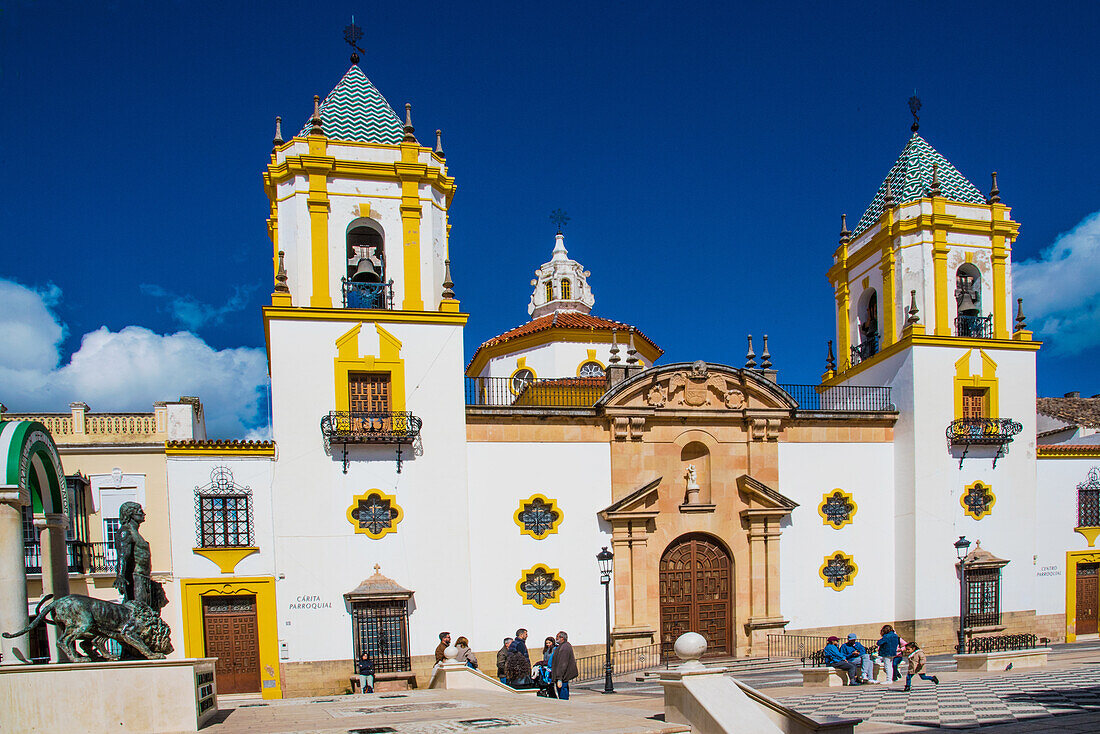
x: 383, y: 496
x: 825, y: 498
x: 1072, y: 559
x: 553, y: 529
x: 966, y: 508
x: 1000, y: 257
x: 1090, y: 534
x: 364, y: 208
x: 844, y: 322
x: 381, y: 316
x: 987, y: 380
x: 931, y: 340
x: 411, y: 172
x: 226, y: 559
x: 1059, y: 451
x: 647, y: 354
x: 265, y: 451
x: 851, y: 577
x: 434, y: 176
x: 193, y: 591
x: 546, y: 569
x: 388, y: 360
x: 521, y: 364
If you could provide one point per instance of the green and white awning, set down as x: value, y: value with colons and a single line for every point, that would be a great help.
x: 355, y: 110
x: 911, y: 178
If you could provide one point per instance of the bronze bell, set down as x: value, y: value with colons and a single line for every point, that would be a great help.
x: 366, y: 272
x: 967, y: 296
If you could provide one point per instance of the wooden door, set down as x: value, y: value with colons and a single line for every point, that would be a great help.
x: 1088, y: 591
x: 231, y: 635
x: 973, y: 403
x: 696, y: 594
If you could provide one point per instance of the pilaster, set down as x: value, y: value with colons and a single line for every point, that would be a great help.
x: 939, y: 267
x: 55, y: 566
x: 318, y: 165
x: 13, y: 574
x: 999, y: 257
x: 411, y: 172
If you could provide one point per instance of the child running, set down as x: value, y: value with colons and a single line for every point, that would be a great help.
x: 917, y: 659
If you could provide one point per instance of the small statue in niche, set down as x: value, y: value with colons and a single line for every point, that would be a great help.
x: 135, y: 567
x: 692, y: 486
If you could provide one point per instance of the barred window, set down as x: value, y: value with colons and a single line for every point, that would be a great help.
x: 983, y: 597
x: 381, y: 629
x: 1088, y: 500
x: 224, y: 512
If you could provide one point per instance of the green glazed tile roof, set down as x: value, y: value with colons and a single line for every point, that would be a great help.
x: 355, y: 110
x: 911, y: 178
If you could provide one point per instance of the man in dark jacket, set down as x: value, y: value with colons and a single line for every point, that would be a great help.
x: 518, y: 666
x: 563, y: 667
x: 502, y: 660
x: 444, y: 643
x: 834, y: 659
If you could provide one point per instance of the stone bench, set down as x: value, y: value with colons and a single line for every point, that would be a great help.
x: 1035, y: 657
x: 383, y: 682
x: 829, y: 677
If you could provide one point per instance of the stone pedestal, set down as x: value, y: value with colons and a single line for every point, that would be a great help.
x: 453, y: 675
x: 125, y: 696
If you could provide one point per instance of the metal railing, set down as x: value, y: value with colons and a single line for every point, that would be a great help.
x: 622, y: 661
x: 567, y: 392
x: 383, y: 426
x: 76, y: 553
x: 1001, y: 643
x: 102, y: 558
x: 976, y: 327
x: 984, y: 431
x: 804, y: 646
x: 852, y: 398
x: 367, y: 295
x: 864, y: 350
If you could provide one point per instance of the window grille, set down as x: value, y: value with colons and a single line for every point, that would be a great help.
x: 540, y: 587
x: 590, y: 369
x: 538, y: 517
x: 838, y: 508
x: 381, y: 629
x: 549, y: 291
x: 223, y: 510
x: 983, y: 597
x: 520, y: 379
x: 838, y: 571
x: 978, y: 500
x: 375, y: 514
x: 566, y: 289
x: 1088, y: 500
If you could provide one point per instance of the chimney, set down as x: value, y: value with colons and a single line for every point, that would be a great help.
x: 1074, y: 394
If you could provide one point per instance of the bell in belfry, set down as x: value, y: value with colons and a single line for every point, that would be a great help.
x: 966, y: 295
x: 365, y: 268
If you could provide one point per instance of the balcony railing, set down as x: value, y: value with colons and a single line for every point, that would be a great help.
x: 102, y: 558
x: 969, y: 432
x: 864, y: 350
x: 367, y: 295
x: 842, y: 398
x: 975, y: 327
x: 1001, y: 643
x: 78, y: 555
x: 566, y: 392
x: 593, y: 667
x: 376, y: 427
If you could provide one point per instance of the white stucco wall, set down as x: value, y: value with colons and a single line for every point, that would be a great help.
x: 1056, y: 516
x: 578, y: 477
x: 807, y: 471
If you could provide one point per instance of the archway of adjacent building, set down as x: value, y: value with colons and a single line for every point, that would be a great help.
x: 696, y: 592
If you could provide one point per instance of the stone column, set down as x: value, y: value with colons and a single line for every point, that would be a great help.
x: 55, y: 567
x: 758, y: 563
x: 623, y: 577
x: 13, y: 574
x: 771, y: 547
x: 642, y: 577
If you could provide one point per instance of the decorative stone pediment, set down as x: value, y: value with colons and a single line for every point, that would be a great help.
x: 641, y: 504
x: 762, y: 499
x: 698, y: 386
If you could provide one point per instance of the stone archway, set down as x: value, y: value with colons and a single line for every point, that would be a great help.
x: 696, y: 590
x: 30, y: 474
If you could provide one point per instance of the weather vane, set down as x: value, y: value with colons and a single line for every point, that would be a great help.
x: 914, y: 108
x: 560, y: 218
x: 352, y: 34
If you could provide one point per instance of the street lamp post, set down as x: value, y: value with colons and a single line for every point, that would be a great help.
x: 962, y: 545
x: 606, y: 560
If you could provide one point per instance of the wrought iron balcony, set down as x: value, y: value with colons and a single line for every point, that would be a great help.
x: 864, y: 350
x: 975, y: 327
x: 76, y: 552
x: 377, y: 427
x: 969, y: 432
x: 367, y: 295
x: 566, y: 392
x: 102, y: 558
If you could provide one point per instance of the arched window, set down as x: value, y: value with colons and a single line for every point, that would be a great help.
x: 868, y: 327
x: 968, y: 302
x: 365, y: 282
x: 549, y: 291
x: 566, y: 289
x: 590, y: 369
x: 223, y: 512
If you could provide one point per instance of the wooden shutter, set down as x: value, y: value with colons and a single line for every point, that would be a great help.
x: 369, y: 392
x: 973, y: 404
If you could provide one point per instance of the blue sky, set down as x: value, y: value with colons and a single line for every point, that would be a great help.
x: 704, y: 153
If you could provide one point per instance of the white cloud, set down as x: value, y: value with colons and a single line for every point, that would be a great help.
x: 124, y: 370
x: 1061, y: 289
x: 192, y: 313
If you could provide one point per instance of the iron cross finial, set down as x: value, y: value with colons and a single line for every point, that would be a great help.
x: 377, y: 568
x: 914, y: 108
x: 352, y: 34
x: 559, y: 218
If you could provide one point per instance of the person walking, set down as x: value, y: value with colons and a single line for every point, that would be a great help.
x: 888, y: 649
x: 365, y: 669
x: 917, y: 659
x: 564, y: 667
x: 857, y: 654
x: 518, y: 666
x: 465, y: 654
x: 502, y: 660
x: 444, y: 643
x: 834, y: 659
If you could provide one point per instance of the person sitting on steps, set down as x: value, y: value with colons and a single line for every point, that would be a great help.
x: 834, y: 659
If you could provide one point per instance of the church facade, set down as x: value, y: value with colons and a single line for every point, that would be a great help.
x: 407, y: 492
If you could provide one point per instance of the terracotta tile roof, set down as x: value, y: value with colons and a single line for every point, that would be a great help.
x: 569, y: 320
x: 1075, y: 411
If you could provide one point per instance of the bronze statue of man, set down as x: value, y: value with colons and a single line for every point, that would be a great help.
x: 135, y: 567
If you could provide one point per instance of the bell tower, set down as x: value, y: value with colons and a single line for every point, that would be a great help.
x: 924, y: 306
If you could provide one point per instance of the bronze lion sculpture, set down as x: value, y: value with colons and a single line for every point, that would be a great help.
x: 132, y: 624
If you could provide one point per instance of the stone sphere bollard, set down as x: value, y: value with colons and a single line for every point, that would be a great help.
x: 689, y: 647
x: 450, y: 653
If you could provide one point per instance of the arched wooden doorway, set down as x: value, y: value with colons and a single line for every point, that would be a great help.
x: 697, y: 592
